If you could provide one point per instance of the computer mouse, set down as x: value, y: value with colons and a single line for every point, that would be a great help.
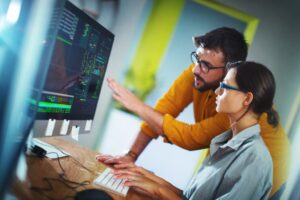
x: 92, y: 194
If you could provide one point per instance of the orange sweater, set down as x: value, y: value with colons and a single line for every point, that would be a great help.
x: 209, y: 124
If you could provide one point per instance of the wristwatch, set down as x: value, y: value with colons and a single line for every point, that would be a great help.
x: 132, y: 154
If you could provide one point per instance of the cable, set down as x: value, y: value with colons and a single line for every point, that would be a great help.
x: 68, y: 183
x: 63, y: 174
x: 74, y: 159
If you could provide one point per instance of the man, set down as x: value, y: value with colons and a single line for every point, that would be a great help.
x: 196, y: 85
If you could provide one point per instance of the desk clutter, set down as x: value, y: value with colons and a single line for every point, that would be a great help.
x: 76, y: 176
x: 106, y: 179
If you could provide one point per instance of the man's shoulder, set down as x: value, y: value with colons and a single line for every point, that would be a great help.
x: 273, y: 135
x: 267, y: 128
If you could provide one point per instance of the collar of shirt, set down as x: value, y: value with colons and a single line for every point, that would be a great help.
x: 224, y: 140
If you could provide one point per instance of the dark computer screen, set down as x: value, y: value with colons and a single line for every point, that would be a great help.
x: 24, y: 42
x: 77, y: 67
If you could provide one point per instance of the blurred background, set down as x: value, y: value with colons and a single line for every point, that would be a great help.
x: 154, y: 37
x: 152, y: 47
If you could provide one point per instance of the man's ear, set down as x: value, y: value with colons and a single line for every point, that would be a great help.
x: 249, y: 98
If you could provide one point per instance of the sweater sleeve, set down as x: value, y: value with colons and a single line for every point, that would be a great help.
x: 174, y: 100
x: 194, y: 136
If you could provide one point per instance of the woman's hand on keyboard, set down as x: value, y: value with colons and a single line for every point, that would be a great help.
x: 122, y: 168
x: 144, y: 179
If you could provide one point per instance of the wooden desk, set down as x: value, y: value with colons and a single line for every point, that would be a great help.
x: 44, y: 173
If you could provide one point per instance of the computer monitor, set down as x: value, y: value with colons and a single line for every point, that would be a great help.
x: 24, y: 26
x: 76, y: 72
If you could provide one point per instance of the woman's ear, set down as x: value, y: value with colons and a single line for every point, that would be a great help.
x: 249, y: 98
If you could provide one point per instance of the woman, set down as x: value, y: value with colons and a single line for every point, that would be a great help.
x: 239, y: 165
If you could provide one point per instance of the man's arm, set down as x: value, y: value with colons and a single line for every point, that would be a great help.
x: 194, y: 136
x: 182, y: 134
x: 134, y: 104
x: 171, y: 103
x: 151, y: 116
x: 188, y: 136
x: 140, y: 143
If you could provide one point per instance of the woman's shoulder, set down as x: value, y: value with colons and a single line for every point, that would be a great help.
x: 257, y: 151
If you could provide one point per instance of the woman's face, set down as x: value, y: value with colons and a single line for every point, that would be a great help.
x: 230, y: 101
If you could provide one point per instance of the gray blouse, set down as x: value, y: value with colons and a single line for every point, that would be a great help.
x: 237, y: 168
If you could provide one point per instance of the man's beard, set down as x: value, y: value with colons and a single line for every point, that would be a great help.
x: 207, y: 86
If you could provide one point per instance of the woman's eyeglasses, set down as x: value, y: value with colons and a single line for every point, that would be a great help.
x: 229, y: 87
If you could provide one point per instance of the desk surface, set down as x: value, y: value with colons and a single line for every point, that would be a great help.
x: 80, y: 167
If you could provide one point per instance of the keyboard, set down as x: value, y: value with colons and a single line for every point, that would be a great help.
x: 106, y: 180
x: 52, y: 151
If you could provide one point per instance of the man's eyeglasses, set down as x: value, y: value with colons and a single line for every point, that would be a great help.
x: 204, y: 66
x: 225, y: 86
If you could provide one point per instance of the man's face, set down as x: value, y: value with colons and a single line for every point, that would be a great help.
x: 209, y: 80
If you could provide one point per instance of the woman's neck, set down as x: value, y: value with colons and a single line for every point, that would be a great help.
x: 249, y: 119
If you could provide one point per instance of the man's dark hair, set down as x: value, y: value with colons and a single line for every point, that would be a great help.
x: 227, y: 40
x: 259, y: 80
